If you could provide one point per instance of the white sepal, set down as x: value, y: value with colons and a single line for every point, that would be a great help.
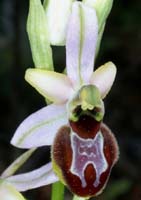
x: 81, y: 43
x: 40, y: 128
x: 36, y: 178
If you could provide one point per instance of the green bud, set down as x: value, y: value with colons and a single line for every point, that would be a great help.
x: 102, y: 7
x: 8, y: 192
x: 57, y: 15
x: 86, y: 102
x: 38, y: 36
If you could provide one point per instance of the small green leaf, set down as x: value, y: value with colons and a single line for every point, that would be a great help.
x: 38, y: 36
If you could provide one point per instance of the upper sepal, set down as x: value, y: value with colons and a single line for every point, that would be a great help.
x: 103, y: 8
x: 81, y: 42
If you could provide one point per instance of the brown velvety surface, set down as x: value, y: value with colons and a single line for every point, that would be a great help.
x: 85, y: 127
x: 62, y: 154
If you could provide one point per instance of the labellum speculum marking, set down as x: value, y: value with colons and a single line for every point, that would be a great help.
x: 84, y: 153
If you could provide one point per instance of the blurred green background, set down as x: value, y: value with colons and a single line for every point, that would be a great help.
x: 121, y: 44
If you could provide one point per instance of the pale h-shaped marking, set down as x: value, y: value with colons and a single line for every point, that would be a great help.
x: 85, y: 152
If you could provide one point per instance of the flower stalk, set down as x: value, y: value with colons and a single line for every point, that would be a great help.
x: 57, y: 191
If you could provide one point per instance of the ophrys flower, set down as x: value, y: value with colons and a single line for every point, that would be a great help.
x: 83, y: 149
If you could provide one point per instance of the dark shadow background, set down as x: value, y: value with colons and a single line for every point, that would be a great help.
x: 121, y: 44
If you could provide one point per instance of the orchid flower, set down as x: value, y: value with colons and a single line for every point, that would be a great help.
x: 83, y: 149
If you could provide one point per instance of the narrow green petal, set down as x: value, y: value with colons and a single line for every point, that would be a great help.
x: 38, y: 36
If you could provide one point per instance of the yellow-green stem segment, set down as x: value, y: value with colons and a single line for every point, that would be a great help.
x: 57, y: 191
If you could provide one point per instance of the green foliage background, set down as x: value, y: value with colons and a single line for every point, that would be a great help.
x: 121, y: 44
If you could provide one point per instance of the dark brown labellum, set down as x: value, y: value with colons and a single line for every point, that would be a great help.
x: 85, y: 163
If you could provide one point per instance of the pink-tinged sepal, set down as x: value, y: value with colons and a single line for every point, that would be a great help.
x: 81, y: 40
x: 84, y: 164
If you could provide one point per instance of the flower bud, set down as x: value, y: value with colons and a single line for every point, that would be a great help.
x: 57, y: 15
x: 8, y: 192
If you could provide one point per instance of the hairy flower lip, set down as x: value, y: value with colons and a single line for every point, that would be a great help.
x: 62, y: 157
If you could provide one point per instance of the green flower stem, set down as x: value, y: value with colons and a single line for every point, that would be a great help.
x: 58, y: 191
x: 79, y: 198
x: 18, y: 163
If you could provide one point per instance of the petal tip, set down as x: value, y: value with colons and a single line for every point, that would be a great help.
x: 104, y: 77
x: 111, y: 67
